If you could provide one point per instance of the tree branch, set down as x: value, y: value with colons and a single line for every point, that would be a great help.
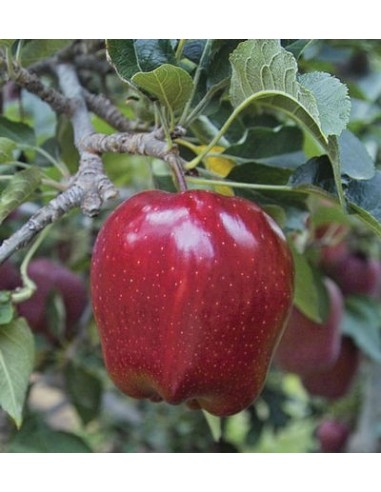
x: 89, y: 188
x: 149, y: 144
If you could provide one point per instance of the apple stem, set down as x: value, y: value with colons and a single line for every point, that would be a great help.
x: 175, y: 164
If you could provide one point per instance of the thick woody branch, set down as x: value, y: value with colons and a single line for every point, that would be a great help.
x: 149, y: 144
x: 89, y: 188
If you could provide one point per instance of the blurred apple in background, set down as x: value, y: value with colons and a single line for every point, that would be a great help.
x: 332, y: 436
x: 9, y: 276
x: 309, y: 346
x: 51, y: 277
x: 335, y: 382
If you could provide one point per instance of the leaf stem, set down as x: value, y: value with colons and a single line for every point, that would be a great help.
x: 180, y: 49
x: 236, y: 184
x: 29, y: 287
x: 196, y: 80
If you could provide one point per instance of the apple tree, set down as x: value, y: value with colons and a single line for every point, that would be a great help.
x: 197, y: 222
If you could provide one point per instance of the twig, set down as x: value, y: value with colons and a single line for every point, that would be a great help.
x: 33, y: 84
x: 103, y: 107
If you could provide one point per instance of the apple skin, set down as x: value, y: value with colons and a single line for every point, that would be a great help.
x: 50, y: 276
x: 335, y: 382
x: 332, y: 436
x: 309, y: 346
x: 191, y: 292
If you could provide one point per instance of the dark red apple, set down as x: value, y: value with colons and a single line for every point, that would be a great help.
x: 51, y: 277
x: 191, y: 292
x: 354, y: 273
x: 332, y: 436
x: 309, y: 346
x: 335, y: 382
x: 9, y: 276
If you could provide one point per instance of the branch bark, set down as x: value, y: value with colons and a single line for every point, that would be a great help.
x: 149, y: 144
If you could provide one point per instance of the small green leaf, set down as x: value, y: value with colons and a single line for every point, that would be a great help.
x: 38, y: 49
x: 172, y: 86
x: 262, y: 142
x: 18, y: 190
x: 332, y: 100
x: 6, y: 148
x: 354, y: 157
x: 362, y: 323
x: 16, y: 364
x: 130, y: 56
x: 310, y: 293
x: 365, y: 200
x: 296, y: 46
x: 36, y: 437
x: 17, y: 132
x: 6, y: 308
x: 84, y: 390
x: 214, y: 424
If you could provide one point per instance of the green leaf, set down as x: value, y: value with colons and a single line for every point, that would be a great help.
x: 18, y: 190
x: 16, y: 364
x: 6, y: 308
x: 310, y: 293
x: 354, y: 157
x: 38, y: 49
x: 193, y: 49
x: 364, y: 200
x: 332, y: 99
x: 296, y: 46
x: 264, y: 73
x: 172, y: 86
x: 315, y: 172
x: 362, y: 323
x: 17, y: 132
x: 130, y: 56
x: 7, y: 43
x: 84, y: 390
x: 214, y: 424
x: 36, y: 437
x: 261, y: 142
x: 252, y: 172
x: 6, y: 148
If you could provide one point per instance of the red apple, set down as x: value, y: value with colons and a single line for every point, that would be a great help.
x: 49, y: 277
x: 191, y: 292
x: 309, y: 346
x: 332, y: 436
x: 335, y: 382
